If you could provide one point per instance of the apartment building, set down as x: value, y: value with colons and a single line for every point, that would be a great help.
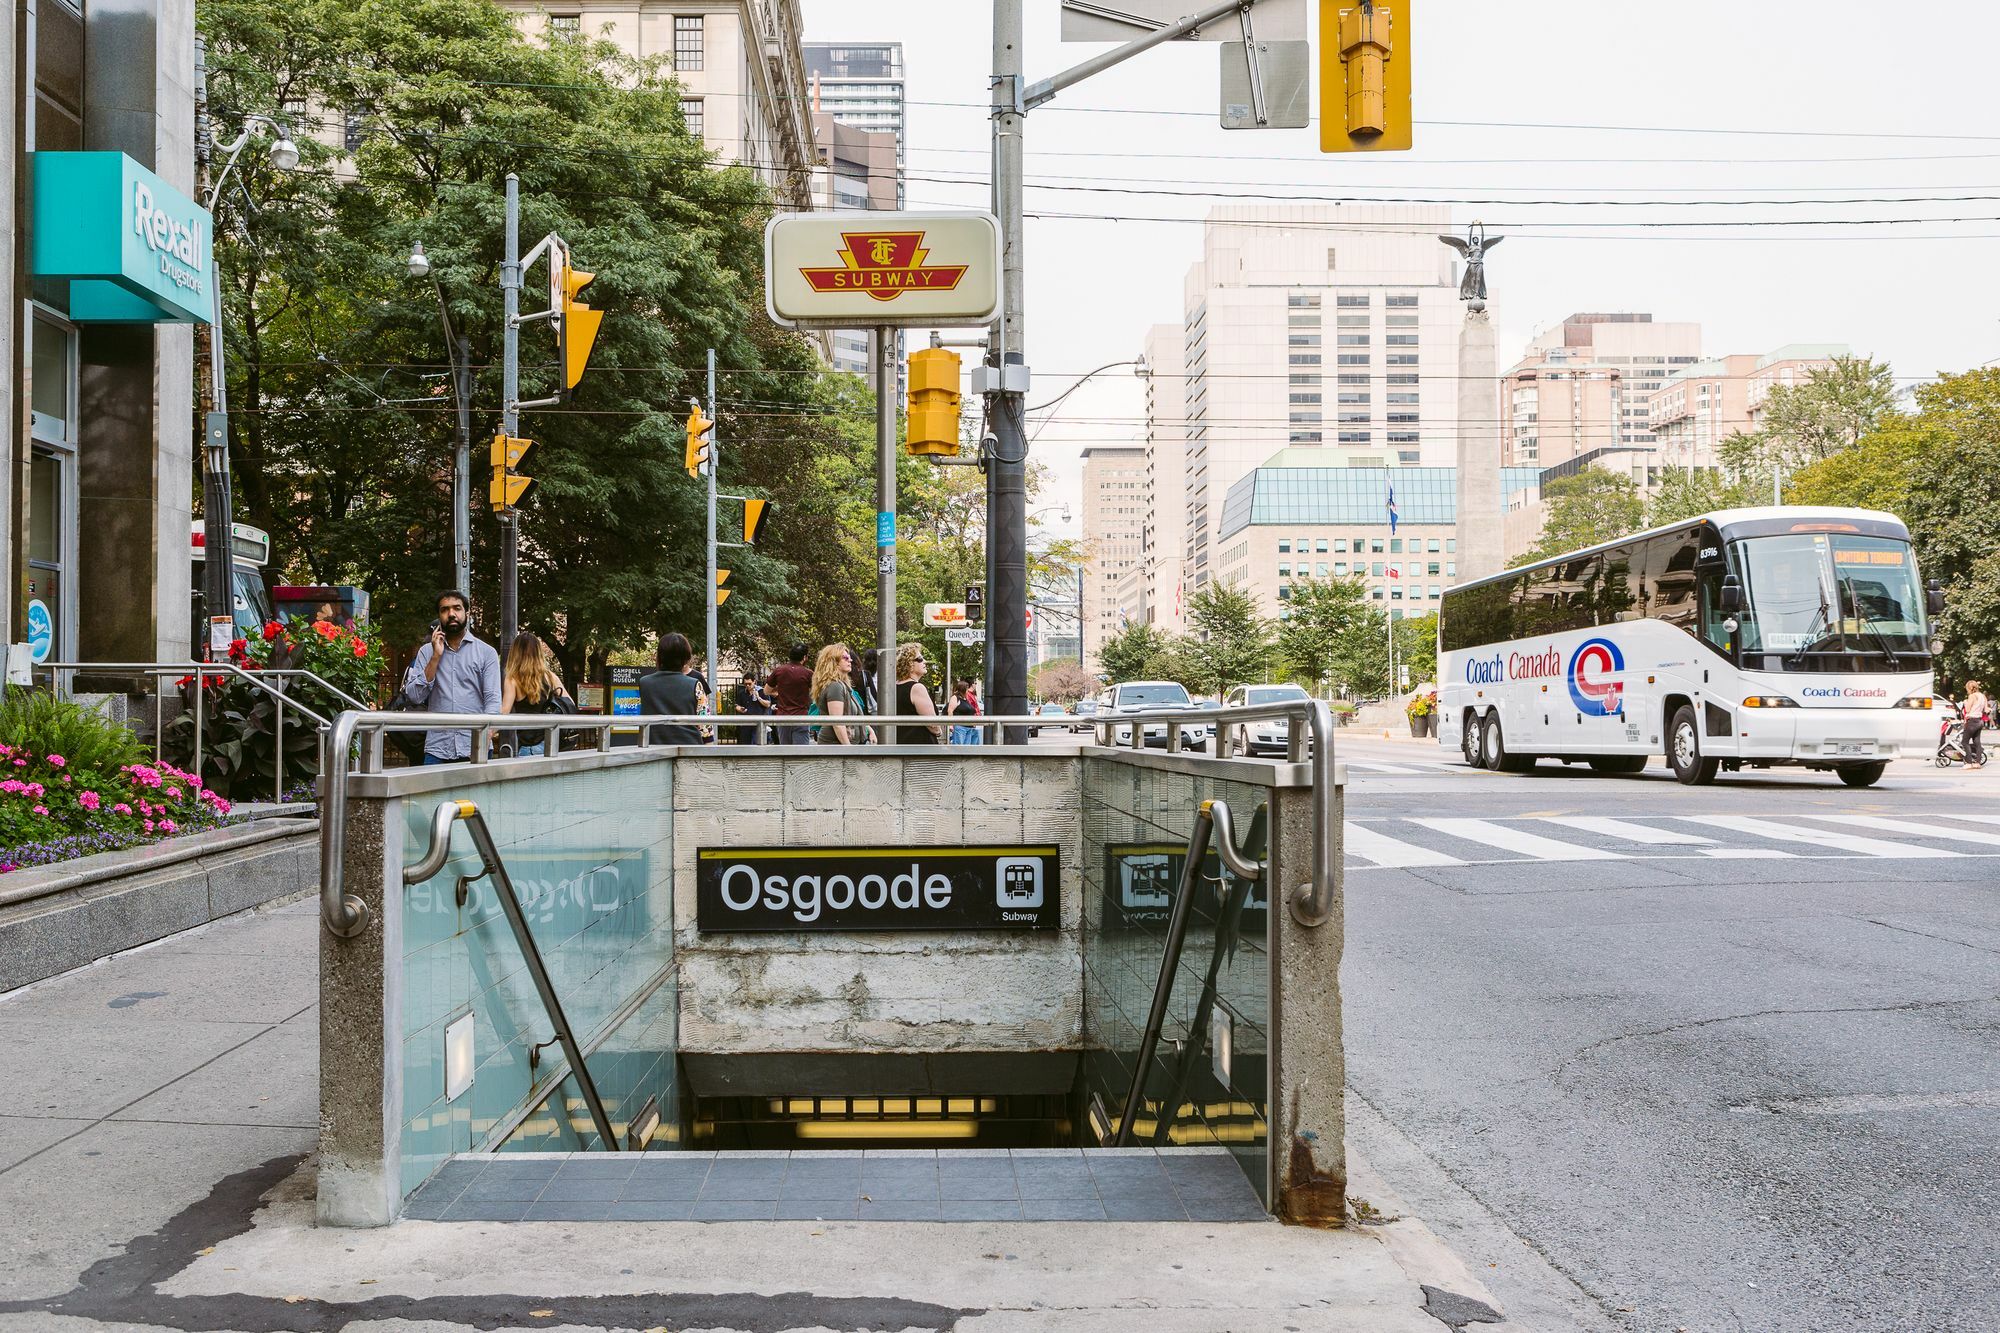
x: 1316, y: 328
x: 857, y: 172
x: 1156, y: 594
x: 1296, y: 518
x: 1704, y: 404
x: 860, y: 85
x: 1114, y: 520
x: 1789, y: 365
x: 1588, y: 384
x: 740, y: 65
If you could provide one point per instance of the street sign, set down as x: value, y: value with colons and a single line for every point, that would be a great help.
x: 1031, y: 618
x: 42, y: 632
x: 856, y: 270
x: 878, y: 888
x: 944, y: 614
x: 965, y: 636
x: 1123, y: 20
x: 1282, y: 82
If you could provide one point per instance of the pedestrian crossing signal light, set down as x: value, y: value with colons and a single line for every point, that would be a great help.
x: 722, y: 593
x: 576, y: 323
x: 700, y: 441
x: 1364, y: 54
x: 507, y: 489
x: 934, y: 402
x: 753, y: 519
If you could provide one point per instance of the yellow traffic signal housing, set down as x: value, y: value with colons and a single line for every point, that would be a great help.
x: 753, y: 518
x: 1364, y: 75
x: 508, y: 490
x: 722, y: 593
x: 576, y: 323
x: 934, y: 402
x: 700, y: 441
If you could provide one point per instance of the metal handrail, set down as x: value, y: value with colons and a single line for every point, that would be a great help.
x: 1310, y: 903
x: 491, y: 864
x: 1213, y: 816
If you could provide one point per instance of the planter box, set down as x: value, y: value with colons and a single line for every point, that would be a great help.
x: 54, y: 918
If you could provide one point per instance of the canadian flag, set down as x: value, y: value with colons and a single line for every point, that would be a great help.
x: 1395, y: 571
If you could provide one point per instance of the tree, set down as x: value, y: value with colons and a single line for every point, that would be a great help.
x: 1062, y: 680
x: 1417, y: 648
x: 1586, y: 508
x: 1684, y: 493
x: 1232, y: 642
x: 1136, y: 652
x: 1312, y: 640
x: 1831, y: 410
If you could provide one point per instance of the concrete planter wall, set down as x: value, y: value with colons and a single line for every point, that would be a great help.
x: 54, y: 918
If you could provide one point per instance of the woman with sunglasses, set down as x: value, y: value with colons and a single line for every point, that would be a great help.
x: 913, y: 700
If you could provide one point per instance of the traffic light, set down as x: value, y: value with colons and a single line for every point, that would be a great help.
x: 576, y: 323
x: 722, y: 593
x: 508, y: 490
x: 975, y: 604
x: 933, y: 402
x: 1364, y: 54
x: 700, y: 440
x: 753, y: 519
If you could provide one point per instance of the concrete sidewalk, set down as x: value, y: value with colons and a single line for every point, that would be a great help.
x: 156, y: 1141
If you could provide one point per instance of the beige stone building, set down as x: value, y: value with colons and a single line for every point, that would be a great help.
x: 1114, y: 519
x: 1704, y: 404
x: 1587, y: 385
x: 1157, y: 595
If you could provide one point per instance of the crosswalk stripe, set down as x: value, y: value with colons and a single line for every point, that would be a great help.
x: 1527, y: 844
x: 1845, y: 842
x: 1915, y: 829
x: 1749, y: 854
x: 1979, y: 819
x: 1383, y: 850
x: 1362, y: 766
x: 1629, y: 832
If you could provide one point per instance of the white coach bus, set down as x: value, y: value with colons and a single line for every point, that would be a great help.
x: 1744, y: 637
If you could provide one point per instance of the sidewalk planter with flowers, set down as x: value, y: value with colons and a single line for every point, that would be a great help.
x: 240, y: 755
x: 73, y: 782
x: 1422, y: 712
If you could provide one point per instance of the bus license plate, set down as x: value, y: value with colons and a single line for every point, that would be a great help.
x: 1853, y: 747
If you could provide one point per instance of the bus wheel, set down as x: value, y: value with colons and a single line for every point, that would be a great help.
x: 1619, y: 765
x: 1684, y: 750
x: 1469, y: 735
x: 1494, y: 747
x: 1861, y: 775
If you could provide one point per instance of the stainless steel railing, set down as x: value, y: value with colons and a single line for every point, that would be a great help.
x: 1309, y: 729
x: 260, y: 679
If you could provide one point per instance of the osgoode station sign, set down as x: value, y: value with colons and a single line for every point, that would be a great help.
x: 877, y: 888
x: 854, y: 270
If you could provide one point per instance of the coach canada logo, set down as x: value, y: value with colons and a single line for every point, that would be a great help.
x: 1597, y: 678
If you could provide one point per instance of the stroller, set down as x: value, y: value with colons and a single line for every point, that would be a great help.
x: 1951, y: 746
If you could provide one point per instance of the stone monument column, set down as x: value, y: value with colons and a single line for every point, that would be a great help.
x: 1481, y: 545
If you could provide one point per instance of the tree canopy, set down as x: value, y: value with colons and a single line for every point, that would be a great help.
x: 1585, y: 508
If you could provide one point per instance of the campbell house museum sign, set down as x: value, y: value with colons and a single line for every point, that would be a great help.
x: 134, y: 249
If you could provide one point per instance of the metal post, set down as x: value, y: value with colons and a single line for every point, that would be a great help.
x: 1006, y: 476
x: 714, y: 593
x: 461, y: 471
x: 510, y: 409
x: 218, y: 586
x: 885, y: 524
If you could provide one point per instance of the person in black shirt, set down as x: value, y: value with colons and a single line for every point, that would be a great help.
x: 673, y: 690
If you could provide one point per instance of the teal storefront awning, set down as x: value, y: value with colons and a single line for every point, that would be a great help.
x: 133, y: 248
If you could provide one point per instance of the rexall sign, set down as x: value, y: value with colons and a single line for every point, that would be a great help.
x: 134, y: 249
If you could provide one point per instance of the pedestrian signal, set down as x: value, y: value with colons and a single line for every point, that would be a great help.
x: 1364, y: 75
x: 934, y: 402
x: 508, y: 489
x: 576, y: 323
x: 700, y: 441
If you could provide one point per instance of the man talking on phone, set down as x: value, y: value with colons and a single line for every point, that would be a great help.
x: 453, y: 673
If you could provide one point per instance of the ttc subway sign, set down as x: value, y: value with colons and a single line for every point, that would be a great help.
x: 854, y: 270
x: 944, y: 615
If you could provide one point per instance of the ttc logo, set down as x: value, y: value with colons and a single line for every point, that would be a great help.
x: 1595, y: 682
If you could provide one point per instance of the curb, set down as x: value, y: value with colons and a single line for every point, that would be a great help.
x: 1453, y: 1294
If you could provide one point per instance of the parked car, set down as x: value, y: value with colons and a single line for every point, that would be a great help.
x: 1086, y: 715
x: 1138, y: 697
x: 1051, y: 710
x: 1266, y: 737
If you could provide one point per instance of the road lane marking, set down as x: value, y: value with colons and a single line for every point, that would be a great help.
x: 1845, y: 842
x: 1749, y: 854
x: 1868, y: 1103
x: 1630, y: 832
x: 1915, y: 829
x: 1363, y: 766
x: 1507, y: 839
x: 1385, y: 851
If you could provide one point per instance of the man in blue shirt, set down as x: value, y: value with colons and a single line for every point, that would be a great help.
x: 453, y: 673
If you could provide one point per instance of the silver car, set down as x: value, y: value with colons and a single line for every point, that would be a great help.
x: 1135, y: 697
x: 1270, y: 735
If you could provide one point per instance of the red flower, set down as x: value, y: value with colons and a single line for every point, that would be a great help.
x: 325, y: 630
x: 272, y: 629
x: 360, y: 648
x: 239, y: 647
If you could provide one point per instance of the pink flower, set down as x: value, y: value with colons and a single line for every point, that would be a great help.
x: 20, y: 763
x: 167, y: 826
x: 174, y: 793
x: 41, y: 809
x: 67, y: 780
x: 57, y: 761
x: 90, y: 800
x: 149, y: 826
x: 121, y: 809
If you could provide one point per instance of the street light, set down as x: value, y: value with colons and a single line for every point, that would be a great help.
x: 219, y: 554
x: 459, y: 349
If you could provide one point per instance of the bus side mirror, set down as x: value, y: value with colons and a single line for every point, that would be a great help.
x: 1732, y: 595
x: 1934, y: 598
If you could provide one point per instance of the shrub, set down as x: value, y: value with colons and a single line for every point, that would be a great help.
x: 35, y: 720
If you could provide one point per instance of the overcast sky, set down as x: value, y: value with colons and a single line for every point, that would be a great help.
x: 1819, y: 100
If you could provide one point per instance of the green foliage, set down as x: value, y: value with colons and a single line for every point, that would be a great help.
x: 1589, y: 506
x: 1417, y: 647
x: 1831, y: 410
x: 1230, y: 643
x: 1316, y: 642
x: 1137, y: 652
x: 88, y: 740
x: 1683, y: 494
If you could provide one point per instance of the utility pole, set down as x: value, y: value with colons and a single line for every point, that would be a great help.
x: 510, y: 410
x: 218, y: 563
x: 885, y: 523
x: 461, y: 468
x: 714, y: 593
x: 1007, y: 468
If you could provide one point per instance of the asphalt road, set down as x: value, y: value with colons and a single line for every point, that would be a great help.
x: 1730, y: 1060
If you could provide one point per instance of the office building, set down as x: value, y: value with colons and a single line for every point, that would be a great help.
x: 111, y: 266
x: 1295, y: 518
x: 857, y: 172
x: 860, y: 85
x: 1588, y: 384
x: 1156, y: 594
x: 1330, y: 328
x: 1114, y: 520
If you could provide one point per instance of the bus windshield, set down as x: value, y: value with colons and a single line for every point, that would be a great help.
x: 1831, y: 593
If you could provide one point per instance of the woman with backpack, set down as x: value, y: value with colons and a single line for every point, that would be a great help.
x: 528, y: 686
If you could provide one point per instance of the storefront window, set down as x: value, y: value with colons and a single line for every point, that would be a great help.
x: 46, y: 531
x: 51, y: 479
x: 55, y: 381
